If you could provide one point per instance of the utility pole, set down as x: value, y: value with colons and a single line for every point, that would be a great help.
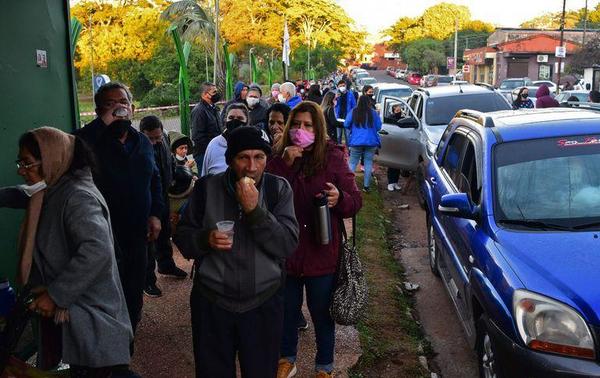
x: 455, y: 44
x: 92, y: 54
x: 216, y: 42
x: 562, y: 33
x: 585, y: 19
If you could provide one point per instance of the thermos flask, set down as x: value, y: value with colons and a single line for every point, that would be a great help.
x: 323, y: 219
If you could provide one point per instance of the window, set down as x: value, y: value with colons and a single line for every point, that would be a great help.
x: 468, y: 181
x: 544, y: 73
x: 441, y: 110
x: 552, y: 180
x: 442, y: 142
x: 452, y: 156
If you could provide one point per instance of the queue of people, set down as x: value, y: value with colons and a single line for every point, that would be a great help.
x: 237, y: 197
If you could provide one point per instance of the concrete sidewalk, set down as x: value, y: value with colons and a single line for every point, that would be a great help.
x: 163, y: 346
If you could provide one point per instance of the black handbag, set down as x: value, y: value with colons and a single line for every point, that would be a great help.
x: 351, y: 292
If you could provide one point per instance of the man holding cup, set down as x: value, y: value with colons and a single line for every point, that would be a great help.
x: 239, y: 226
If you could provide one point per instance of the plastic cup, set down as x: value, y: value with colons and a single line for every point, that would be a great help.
x: 226, y: 227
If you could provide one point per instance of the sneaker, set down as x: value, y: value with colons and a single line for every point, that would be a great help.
x: 323, y: 374
x: 152, y: 291
x: 302, y: 324
x: 391, y: 187
x: 174, y: 272
x: 396, y: 186
x: 286, y: 369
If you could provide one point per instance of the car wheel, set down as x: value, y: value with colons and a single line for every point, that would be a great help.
x: 487, y: 358
x: 432, y: 248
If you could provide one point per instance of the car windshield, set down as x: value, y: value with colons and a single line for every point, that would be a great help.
x: 512, y: 84
x: 369, y: 80
x: 551, y: 181
x: 445, y: 79
x: 396, y: 92
x: 440, y: 110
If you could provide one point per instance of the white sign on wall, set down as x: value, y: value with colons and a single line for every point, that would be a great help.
x: 561, y: 52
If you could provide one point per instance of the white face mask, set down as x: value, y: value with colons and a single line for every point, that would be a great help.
x: 280, y: 98
x: 252, y: 101
x: 30, y: 190
x: 179, y: 158
x: 342, y: 89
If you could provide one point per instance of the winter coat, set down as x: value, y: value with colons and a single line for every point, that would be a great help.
x: 311, y: 258
x: 206, y: 124
x: 332, y: 123
x: 363, y: 135
x: 527, y: 104
x: 345, y: 103
x: 237, y: 97
x: 75, y: 259
x: 544, y: 99
x: 165, y: 164
x: 214, y: 159
x: 250, y: 273
x: 258, y: 115
x: 293, y: 101
x: 129, y: 180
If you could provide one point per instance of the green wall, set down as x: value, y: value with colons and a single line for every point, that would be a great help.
x: 30, y: 96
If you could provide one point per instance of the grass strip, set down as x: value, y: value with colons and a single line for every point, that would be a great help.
x: 388, y: 333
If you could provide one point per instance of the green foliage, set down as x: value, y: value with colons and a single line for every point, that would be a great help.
x: 162, y: 95
x: 424, y: 54
x: 587, y: 55
x: 324, y: 60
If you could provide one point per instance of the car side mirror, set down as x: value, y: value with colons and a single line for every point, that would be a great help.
x: 407, y: 123
x: 458, y: 205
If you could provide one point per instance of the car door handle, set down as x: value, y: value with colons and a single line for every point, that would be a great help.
x: 383, y: 132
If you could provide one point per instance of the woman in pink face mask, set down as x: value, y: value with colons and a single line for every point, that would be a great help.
x: 314, y: 166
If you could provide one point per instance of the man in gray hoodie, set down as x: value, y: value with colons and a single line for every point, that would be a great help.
x: 236, y: 301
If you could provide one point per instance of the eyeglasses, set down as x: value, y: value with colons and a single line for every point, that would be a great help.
x: 21, y: 164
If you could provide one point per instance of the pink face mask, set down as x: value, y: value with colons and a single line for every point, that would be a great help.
x: 302, y: 138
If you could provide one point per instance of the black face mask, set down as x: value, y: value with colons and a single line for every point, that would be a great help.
x: 215, y: 98
x: 233, y: 124
x: 524, y: 95
x: 118, y: 128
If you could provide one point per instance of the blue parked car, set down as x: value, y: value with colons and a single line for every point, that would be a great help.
x: 513, y: 219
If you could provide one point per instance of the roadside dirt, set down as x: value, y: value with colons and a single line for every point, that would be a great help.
x: 435, y: 311
x: 163, y: 347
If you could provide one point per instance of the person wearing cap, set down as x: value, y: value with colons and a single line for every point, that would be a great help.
x: 236, y: 300
x: 257, y: 106
x: 180, y: 146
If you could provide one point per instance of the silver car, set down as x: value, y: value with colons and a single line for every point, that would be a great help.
x: 409, y: 140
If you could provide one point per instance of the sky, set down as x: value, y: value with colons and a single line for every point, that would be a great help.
x: 376, y: 15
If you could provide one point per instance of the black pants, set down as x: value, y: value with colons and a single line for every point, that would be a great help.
x: 254, y: 335
x: 132, y: 269
x: 393, y: 175
x: 160, y: 251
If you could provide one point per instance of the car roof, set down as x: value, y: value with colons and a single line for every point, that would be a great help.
x: 512, y: 125
x: 384, y: 86
x: 452, y: 90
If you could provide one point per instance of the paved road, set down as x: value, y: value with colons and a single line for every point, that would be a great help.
x: 454, y: 357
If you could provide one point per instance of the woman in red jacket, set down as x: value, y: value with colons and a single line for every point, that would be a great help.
x: 313, y: 165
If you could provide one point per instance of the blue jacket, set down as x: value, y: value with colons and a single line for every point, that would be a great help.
x: 363, y: 135
x: 293, y: 101
x: 350, y: 104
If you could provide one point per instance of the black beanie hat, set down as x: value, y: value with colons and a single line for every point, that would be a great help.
x: 246, y: 138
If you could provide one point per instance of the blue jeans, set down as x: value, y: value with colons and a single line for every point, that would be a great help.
x: 367, y: 153
x: 341, y: 132
x: 318, y: 298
